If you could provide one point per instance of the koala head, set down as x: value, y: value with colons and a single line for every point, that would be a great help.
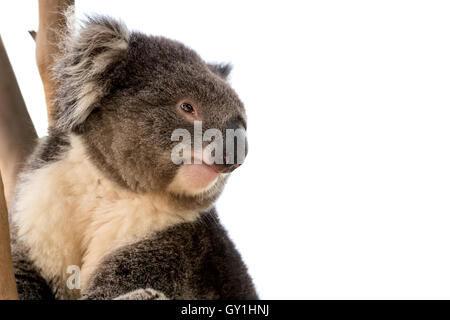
x: 125, y: 93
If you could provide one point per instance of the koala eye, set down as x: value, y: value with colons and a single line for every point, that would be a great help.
x: 187, y: 107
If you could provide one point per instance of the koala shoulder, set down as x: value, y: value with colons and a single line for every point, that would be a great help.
x: 194, y: 260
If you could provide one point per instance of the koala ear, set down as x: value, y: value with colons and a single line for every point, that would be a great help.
x: 221, y: 69
x: 87, y: 54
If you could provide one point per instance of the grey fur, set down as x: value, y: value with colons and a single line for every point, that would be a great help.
x: 86, y: 55
x: 189, y: 261
x: 30, y: 284
x: 134, y: 111
x: 222, y: 69
x: 119, y: 91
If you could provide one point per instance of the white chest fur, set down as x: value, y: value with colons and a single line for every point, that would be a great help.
x: 68, y: 213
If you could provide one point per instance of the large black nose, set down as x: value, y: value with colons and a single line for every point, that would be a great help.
x: 235, y: 147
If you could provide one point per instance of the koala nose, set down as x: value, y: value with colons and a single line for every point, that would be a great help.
x: 235, y: 147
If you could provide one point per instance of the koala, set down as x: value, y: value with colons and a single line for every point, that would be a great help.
x: 101, y: 193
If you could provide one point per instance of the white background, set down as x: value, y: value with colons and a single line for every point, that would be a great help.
x: 346, y: 189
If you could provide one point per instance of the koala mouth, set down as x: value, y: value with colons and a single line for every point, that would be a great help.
x: 223, y: 168
x: 219, y: 168
x: 198, y: 177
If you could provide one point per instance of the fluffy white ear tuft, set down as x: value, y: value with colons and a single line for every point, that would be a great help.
x: 88, y: 51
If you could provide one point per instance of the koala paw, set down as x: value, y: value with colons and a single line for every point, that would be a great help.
x: 143, y: 294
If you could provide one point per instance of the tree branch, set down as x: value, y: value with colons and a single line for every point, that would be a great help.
x: 52, y: 22
x: 17, y: 132
x: 17, y: 140
x: 8, y: 289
